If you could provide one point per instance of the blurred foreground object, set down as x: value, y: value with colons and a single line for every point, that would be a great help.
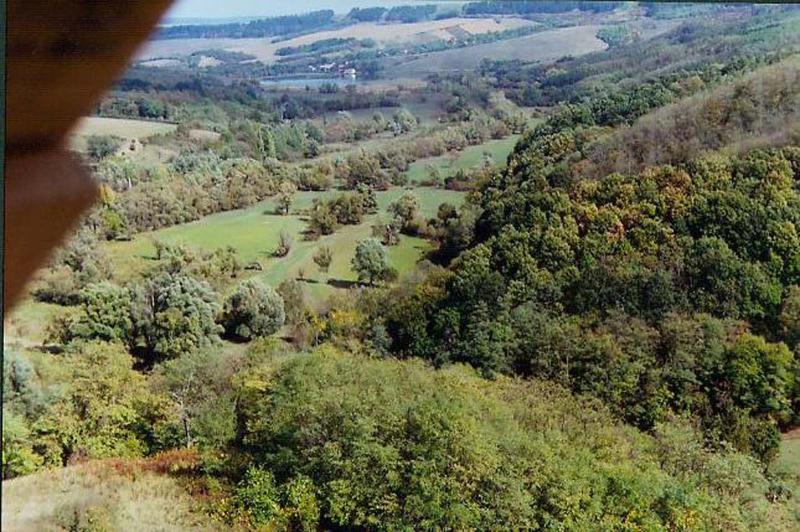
x: 61, y: 56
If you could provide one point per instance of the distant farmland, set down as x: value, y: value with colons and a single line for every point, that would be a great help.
x: 264, y: 49
x: 545, y: 46
x: 118, y: 127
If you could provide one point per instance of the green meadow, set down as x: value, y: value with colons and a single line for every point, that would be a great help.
x: 254, y: 233
x: 466, y: 159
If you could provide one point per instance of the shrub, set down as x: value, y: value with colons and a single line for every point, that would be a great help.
x: 99, y: 147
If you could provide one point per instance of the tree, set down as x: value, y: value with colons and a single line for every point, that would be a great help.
x: 789, y: 317
x: 387, y: 231
x: 197, y: 384
x: 104, y: 315
x: 404, y: 121
x: 323, y: 220
x: 348, y: 208
x: 364, y: 168
x: 285, y: 197
x: 370, y: 260
x: 253, y: 310
x: 368, y: 199
x: 265, y: 142
x: 405, y: 209
x: 323, y: 258
x: 294, y: 304
x: 172, y: 314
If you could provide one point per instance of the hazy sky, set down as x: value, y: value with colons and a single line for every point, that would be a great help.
x: 244, y: 8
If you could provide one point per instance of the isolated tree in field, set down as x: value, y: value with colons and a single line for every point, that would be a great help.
x: 405, y: 209
x: 404, y: 121
x: 323, y: 219
x: 434, y: 175
x: 370, y: 260
x: 323, y: 258
x: 285, y: 196
x: 387, y: 231
x: 253, y: 310
x: 284, y: 244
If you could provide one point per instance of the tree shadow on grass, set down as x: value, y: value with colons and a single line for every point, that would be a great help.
x: 341, y: 283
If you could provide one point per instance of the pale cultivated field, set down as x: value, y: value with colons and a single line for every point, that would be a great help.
x: 264, y: 49
x: 161, y: 63
x: 119, y: 127
x: 545, y: 46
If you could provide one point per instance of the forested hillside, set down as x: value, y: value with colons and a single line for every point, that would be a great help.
x: 560, y: 295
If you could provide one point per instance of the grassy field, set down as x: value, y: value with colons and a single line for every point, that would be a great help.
x: 254, y: 233
x: 467, y: 159
x: 789, y: 459
x: 788, y: 463
x: 118, y: 127
x: 264, y: 49
x: 545, y: 46
x: 27, y: 324
x: 96, y: 497
x: 428, y: 112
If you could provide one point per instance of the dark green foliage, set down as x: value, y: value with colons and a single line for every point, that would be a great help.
x: 528, y: 7
x: 264, y: 27
x: 98, y: 147
x: 549, y: 255
x: 104, y: 315
x: 408, y: 14
x: 253, y: 310
x: 368, y: 14
x: 173, y: 314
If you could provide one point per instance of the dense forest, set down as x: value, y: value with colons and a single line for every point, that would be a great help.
x: 599, y: 332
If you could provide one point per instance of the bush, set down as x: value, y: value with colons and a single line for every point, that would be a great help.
x: 284, y: 244
x: 99, y: 147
